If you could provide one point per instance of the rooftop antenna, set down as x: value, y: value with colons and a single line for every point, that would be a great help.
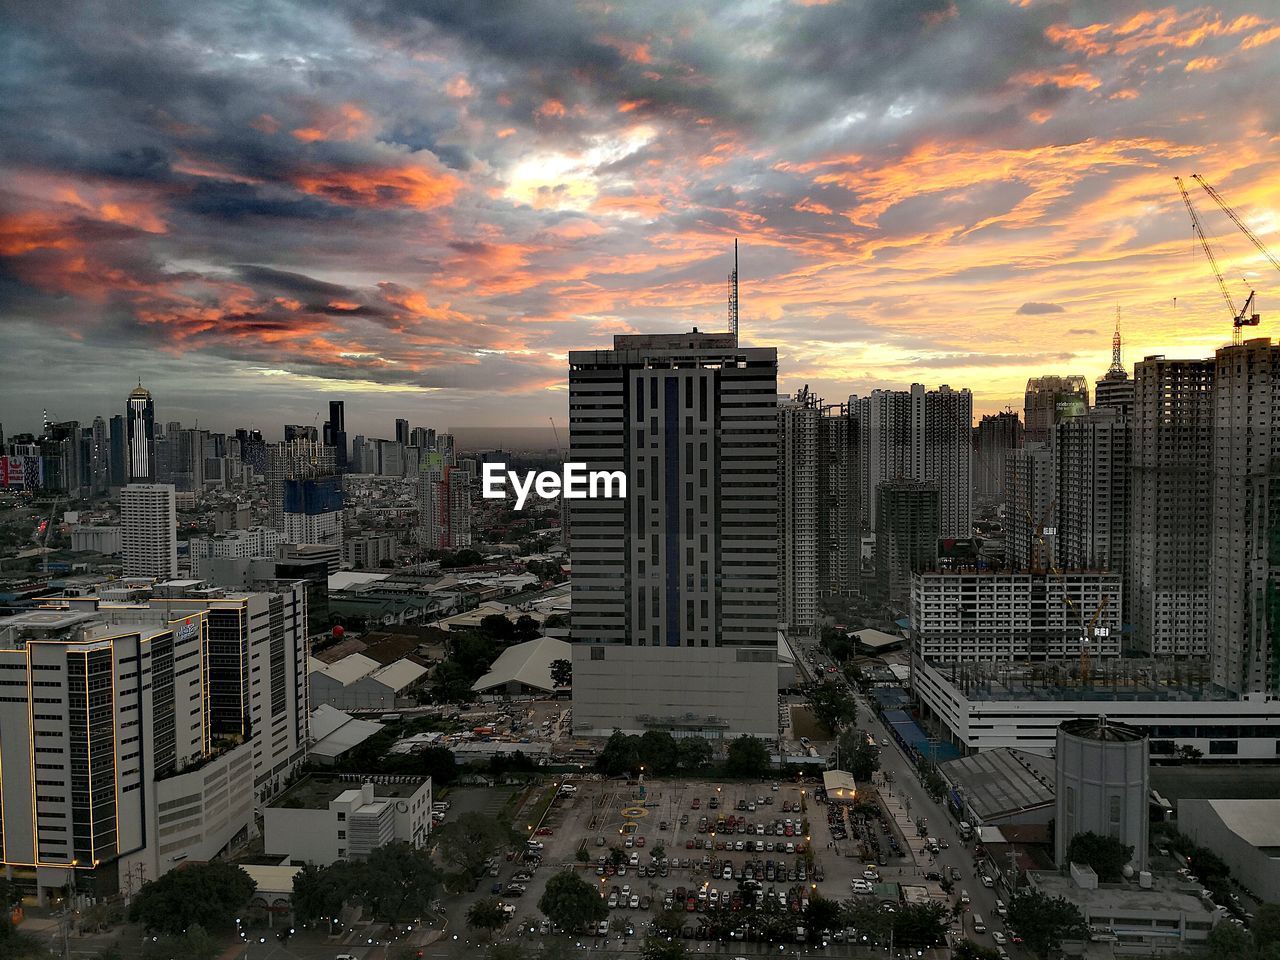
x: 1116, y: 366
x: 733, y: 293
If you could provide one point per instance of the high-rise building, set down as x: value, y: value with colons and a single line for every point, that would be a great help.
x: 298, y: 431
x: 140, y: 413
x: 995, y: 435
x: 180, y: 459
x: 675, y: 587
x: 444, y: 504
x: 798, y: 509
x: 337, y: 437
x: 1171, y: 506
x: 444, y: 444
x: 156, y: 726
x: 60, y: 458
x: 907, y: 532
x: 421, y: 438
x: 402, y: 431
x: 1091, y: 491
x: 253, y: 543
x: 1245, y: 555
x: 119, y: 452
x: 1029, y: 508
x: 839, y: 533
x: 918, y: 435
x: 304, y: 490
x: 1115, y: 389
x: 1049, y: 400
x: 149, y: 530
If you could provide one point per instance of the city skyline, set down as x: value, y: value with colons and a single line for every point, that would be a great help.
x: 422, y: 210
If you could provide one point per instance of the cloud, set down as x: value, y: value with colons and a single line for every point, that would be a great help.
x: 428, y: 203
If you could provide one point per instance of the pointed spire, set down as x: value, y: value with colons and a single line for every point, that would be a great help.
x: 1117, y: 371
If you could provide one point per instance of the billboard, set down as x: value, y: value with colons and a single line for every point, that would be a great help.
x: 21, y: 471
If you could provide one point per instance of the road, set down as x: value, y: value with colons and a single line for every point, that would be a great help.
x: 906, y: 794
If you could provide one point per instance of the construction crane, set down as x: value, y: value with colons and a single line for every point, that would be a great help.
x: 1217, y: 198
x: 1092, y: 631
x: 1239, y: 318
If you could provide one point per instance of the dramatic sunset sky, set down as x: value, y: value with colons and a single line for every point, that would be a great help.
x: 421, y: 205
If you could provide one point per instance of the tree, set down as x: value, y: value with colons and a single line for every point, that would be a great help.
x: 195, y: 944
x: 860, y: 758
x: 1045, y: 921
x: 920, y: 924
x: 9, y: 898
x: 832, y: 707
x: 467, y: 842
x: 747, y: 757
x: 669, y: 922
x: 209, y: 895
x: 621, y: 755
x: 1227, y: 941
x: 695, y: 752
x: 497, y: 627
x: 662, y: 948
x: 398, y: 880
x: 319, y: 893
x: 526, y: 628
x: 1106, y: 855
x: 1266, y: 925
x: 659, y: 753
x: 570, y: 901
x: 555, y: 621
x: 486, y: 914
x: 968, y: 950
x: 659, y: 851
x: 933, y: 784
x: 866, y: 916
x: 823, y: 914
x: 561, y: 670
x: 450, y: 683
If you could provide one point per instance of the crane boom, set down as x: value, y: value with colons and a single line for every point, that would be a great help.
x: 1208, y: 250
x: 1253, y: 238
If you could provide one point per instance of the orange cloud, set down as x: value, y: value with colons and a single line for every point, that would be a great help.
x: 550, y: 108
x: 634, y: 51
x: 388, y: 187
x: 459, y: 88
x: 1202, y: 65
x: 1065, y: 78
x: 265, y: 123
x: 346, y: 121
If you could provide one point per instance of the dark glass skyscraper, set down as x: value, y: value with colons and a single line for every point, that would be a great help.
x: 140, y: 414
x: 337, y: 437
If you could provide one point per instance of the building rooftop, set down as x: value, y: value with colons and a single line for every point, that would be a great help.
x: 526, y: 663
x: 316, y: 791
x: 1165, y: 896
x: 1097, y: 728
x: 1110, y: 680
x: 1256, y: 822
x: 1003, y: 781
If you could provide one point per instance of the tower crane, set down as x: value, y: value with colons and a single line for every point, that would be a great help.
x: 1239, y: 318
x: 1091, y: 631
x: 1217, y: 198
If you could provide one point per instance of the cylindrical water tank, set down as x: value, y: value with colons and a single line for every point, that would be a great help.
x: 1102, y: 784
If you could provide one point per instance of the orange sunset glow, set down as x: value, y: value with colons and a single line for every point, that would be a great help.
x: 424, y: 206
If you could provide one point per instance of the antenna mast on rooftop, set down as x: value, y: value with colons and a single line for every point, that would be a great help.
x: 733, y: 293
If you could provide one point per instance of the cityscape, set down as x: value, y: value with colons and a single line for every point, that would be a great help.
x: 503, y: 521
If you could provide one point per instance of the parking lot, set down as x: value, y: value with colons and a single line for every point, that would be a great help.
x: 655, y: 845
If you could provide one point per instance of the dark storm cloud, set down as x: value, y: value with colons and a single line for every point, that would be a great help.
x: 418, y: 194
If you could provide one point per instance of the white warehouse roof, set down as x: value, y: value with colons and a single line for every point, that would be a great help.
x: 527, y: 663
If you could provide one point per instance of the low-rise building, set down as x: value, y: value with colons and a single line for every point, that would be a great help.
x: 1244, y: 833
x: 1143, y: 916
x: 96, y: 538
x: 359, y: 682
x: 1000, y: 786
x: 322, y: 819
x: 334, y: 733
x: 980, y: 706
x: 525, y: 668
